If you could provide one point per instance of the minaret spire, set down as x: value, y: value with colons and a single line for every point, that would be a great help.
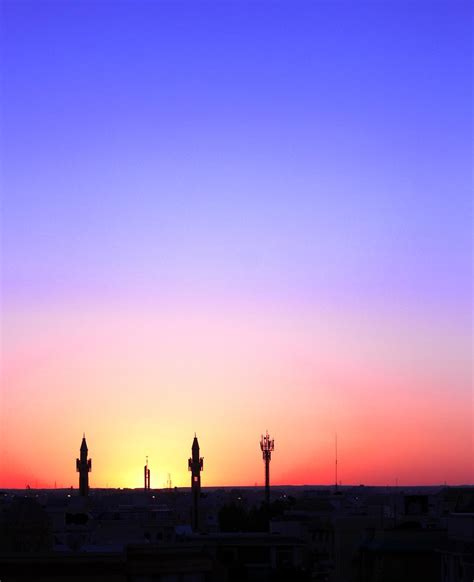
x: 83, y: 467
x: 195, y: 465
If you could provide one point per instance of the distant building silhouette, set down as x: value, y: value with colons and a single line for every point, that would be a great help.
x: 25, y: 527
x: 267, y: 445
x: 83, y: 467
x: 195, y: 465
x: 147, y: 473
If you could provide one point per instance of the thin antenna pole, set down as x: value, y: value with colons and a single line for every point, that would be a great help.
x: 267, y: 445
x: 336, y: 462
x: 146, y: 472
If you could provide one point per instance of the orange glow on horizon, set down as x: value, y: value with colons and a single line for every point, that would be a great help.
x: 141, y: 384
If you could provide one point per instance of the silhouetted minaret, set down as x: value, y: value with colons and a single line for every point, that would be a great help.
x: 195, y: 465
x: 146, y: 472
x: 83, y: 467
x: 267, y: 445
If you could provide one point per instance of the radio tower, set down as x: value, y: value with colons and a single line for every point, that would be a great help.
x: 146, y: 474
x: 195, y: 465
x: 267, y: 445
x: 83, y: 467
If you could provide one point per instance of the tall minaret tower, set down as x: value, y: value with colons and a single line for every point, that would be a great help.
x: 83, y: 467
x: 195, y: 465
x: 267, y: 445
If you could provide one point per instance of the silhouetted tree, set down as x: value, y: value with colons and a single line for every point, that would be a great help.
x: 233, y: 518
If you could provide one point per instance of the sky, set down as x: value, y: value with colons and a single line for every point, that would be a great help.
x: 227, y: 217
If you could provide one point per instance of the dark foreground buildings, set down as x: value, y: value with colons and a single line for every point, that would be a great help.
x: 360, y: 534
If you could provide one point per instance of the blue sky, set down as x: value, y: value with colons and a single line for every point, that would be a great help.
x: 294, y: 144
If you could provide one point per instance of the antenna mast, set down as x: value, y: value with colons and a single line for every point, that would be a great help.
x: 146, y: 474
x: 268, y: 446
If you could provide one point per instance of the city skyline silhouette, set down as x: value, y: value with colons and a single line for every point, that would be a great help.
x: 236, y: 256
